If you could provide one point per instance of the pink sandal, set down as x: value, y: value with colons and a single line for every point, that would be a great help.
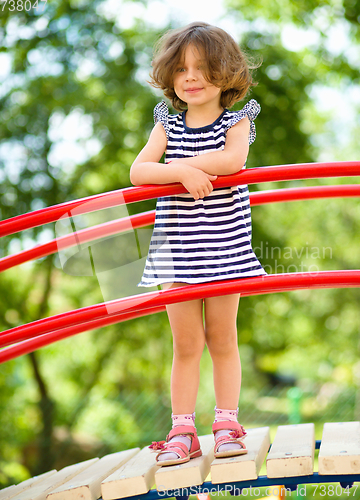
x: 236, y: 434
x: 180, y: 449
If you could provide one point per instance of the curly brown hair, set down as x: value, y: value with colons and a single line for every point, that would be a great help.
x: 226, y: 65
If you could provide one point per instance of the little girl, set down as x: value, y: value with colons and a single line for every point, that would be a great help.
x: 203, y: 235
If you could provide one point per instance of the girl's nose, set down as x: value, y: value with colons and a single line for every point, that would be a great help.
x: 191, y: 74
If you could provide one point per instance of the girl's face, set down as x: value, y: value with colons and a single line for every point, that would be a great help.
x: 190, y: 84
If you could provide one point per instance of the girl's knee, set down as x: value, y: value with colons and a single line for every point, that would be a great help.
x: 221, y: 343
x: 188, y: 348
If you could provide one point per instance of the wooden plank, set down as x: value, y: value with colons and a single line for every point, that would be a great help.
x: 292, y: 453
x: 87, y: 484
x: 40, y: 491
x: 247, y: 466
x: 135, y: 477
x: 11, y: 491
x: 340, y: 448
x: 192, y: 473
x: 7, y: 491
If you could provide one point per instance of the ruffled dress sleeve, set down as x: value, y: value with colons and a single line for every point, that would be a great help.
x: 161, y: 114
x: 251, y: 110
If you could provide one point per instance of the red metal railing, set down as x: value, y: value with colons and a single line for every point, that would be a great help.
x: 32, y: 344
x: 141, y: 193
x: 70, y: 323
x: 147, y: 218
x: 48, y: 330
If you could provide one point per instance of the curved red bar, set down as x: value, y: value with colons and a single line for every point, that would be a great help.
x: 304, y: 193
x: 48, y: 330
x: 85, y: 235
x: 35, y: 343
x: 144, y: 303
x: 147, y: 218
x: 141, y: 193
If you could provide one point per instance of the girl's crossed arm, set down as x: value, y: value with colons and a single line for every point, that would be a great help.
x: 231, y: 159
x: 146, y: 168
x: 195, y: 172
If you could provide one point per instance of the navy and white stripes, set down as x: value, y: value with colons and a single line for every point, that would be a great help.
x: 197, y: 241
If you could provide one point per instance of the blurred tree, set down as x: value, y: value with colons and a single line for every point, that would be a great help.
x: 73, y: 116
x: 318, y: 60
x: 307, y: 49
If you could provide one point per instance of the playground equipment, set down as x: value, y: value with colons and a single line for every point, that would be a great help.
x: 132, y: 473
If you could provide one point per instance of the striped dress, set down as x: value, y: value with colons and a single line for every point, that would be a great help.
x: 198, y: 241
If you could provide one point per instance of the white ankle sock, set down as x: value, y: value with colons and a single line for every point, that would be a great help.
x: 226, y: 414
x: 184, y: 419
x: 222, y: 415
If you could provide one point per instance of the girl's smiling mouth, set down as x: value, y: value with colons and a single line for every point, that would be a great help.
x: 193, y: 90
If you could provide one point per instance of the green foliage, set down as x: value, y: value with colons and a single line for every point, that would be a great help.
x: 75, y: 111
x: 71, y: 64
x: 281, y: 91
x: 71, y: 69
x: 317, y: 57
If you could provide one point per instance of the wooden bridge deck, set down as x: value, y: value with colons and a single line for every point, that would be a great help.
x: 133, y: 473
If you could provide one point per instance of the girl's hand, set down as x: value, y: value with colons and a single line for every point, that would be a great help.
x: 195, y: 181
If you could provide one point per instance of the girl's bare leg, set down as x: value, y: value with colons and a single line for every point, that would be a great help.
x: 221, y: 339
x: 186, y: 321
